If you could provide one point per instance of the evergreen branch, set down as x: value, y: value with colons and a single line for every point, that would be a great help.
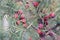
x: 31, y: 24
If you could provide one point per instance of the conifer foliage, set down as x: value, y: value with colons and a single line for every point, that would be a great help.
x: 29, y: 19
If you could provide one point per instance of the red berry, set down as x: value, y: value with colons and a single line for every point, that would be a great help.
x: 20, y: 12
x: 40, y: 26
x: 35, y: 4
x: 18, y: 22
x: 25, y: 25
x: 46, y: 18
x: 16, y: 15
x: 22, y: 16
x: 52, y: 15
x: 38, y: 31
x: 42, y: 34
x: 23, y: 21
x: 46, y: 22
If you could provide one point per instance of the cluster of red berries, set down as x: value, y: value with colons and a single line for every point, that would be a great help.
x: 41, y: 24
x: 35, y: 4
x: 41, y: 33
x: 51, y: 15
x: 20, y: 18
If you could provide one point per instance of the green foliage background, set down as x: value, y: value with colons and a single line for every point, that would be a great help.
x: 17, y: 32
